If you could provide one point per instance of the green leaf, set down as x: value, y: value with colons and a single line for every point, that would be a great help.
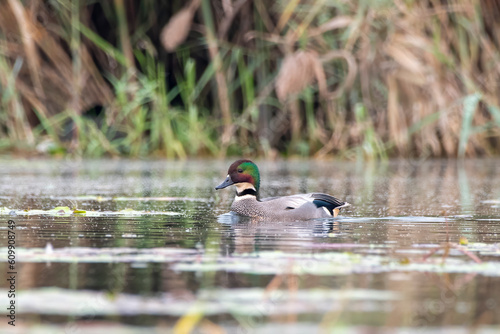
x: 470, y: 105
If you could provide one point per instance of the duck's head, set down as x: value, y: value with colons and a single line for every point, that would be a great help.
x: 244, y: 174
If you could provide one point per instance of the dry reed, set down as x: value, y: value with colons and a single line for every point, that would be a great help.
x: 403, y: 78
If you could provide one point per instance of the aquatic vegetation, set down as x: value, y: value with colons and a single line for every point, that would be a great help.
x: 311, y: 78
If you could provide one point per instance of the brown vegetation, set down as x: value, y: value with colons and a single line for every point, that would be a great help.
x: 356, y: 78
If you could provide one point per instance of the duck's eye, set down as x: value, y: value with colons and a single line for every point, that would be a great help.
x: 240, y: 170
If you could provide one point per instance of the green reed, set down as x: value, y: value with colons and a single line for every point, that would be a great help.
x: 429, y: 95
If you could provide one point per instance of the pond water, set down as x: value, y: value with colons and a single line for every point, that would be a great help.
x: 121, y: 246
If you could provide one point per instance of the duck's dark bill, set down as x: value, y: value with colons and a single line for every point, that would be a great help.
x: 227, y: 182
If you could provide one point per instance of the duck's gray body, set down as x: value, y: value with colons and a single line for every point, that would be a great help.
x: 295, y: 207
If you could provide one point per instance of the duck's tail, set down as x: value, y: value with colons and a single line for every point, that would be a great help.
x: 332, y: 204
x: 337, y: 209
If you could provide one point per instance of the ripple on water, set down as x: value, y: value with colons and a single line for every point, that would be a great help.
x: 149, y: 243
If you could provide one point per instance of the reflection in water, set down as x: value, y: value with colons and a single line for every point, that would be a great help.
x: 207, y: 268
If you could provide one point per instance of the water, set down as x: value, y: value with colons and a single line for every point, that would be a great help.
x: 152, y: 248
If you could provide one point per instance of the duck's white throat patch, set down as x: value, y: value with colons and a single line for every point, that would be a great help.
x: 244, y: 186
x: 240, y: 188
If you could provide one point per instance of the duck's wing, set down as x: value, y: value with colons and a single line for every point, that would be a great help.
x: 268, y: 199
x: 327, y: 199
x: 330, y: 203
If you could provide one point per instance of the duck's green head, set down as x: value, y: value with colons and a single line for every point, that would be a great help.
x: 244, y: 174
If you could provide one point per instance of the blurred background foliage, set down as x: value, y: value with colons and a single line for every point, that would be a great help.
x: 355, y: 79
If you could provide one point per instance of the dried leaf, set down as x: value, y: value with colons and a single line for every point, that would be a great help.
x: 336, y: 23
x: 177, y: 29
x: 405, y: 58
x: 297, y: 71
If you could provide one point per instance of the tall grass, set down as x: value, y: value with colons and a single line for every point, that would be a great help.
x: 213, y: 78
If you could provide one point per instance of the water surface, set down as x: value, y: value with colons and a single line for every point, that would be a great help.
x: 151, y: 246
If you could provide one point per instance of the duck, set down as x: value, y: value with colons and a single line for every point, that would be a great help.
x: 244, y: 175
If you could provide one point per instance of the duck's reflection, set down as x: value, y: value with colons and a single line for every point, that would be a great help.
x: 248, y: 235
